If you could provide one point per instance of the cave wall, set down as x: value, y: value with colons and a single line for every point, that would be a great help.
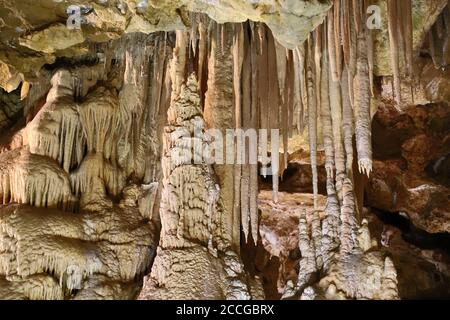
x: 100, y: 201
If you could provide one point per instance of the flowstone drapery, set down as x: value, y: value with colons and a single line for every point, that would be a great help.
x: 98, y: 187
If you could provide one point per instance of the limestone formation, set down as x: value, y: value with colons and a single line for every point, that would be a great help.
x: 158, y: 149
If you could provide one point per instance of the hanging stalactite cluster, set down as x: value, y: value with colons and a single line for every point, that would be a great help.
x: 401, y: 45
x: 325, y: 83
x: 262, y: 75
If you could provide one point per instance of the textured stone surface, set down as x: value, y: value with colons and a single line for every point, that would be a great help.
x: 424, y: 16
x: 41, y: 25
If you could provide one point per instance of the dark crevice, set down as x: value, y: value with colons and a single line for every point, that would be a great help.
x: 413, y: 235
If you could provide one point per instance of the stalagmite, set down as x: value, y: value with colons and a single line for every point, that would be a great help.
x: 330, y: 226
x: 348, y: 226
x: 308, y: 262
x: 190, y: 212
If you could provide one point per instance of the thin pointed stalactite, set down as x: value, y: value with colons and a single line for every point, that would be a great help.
x: 336, y: 117
x: 325, y: 116
x: 298, y: 104
x: 312, y: 117
x: 332, y: 46
x: 262, y: 78
x: 337, y: 37
x: 285, y: 113
x: 362, y: 111
x: 202, y: 54
x: 347, y: 123
x: 409, y: 54
x: 253, y: 191
x: 246, y: 124
x: 273, y: 103
x: 291, y: 92
x: 238, y: 56
x: 351, y: 67
x: 301, y: 54
x: 345, y: 30
x: 393, y: 19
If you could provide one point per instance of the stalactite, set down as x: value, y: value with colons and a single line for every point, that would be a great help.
x: 356, y: 13
x: 298, y: 105
x: 332, y: 46
x: 408, y: 38
x: 336, y: 117
x: 351, y: 67
x: 317, y: 34
x: 290, y: 76
x: 246, y: 124
x: 393, y: 18
x: 56, y: 131
x: 28, y: 178
x: 255, y: 112
x: 262, y: 77
x: 312, y: 117
x: 202, y: 53
x: 285, y: 127
x: 345, y: 29
x: 337, y: 36
x: 325, y: 117
x: 273, y: 101
x: 241, y: 179
x: 347, y: 122
x: 301, y: 54
x: 362, y: 117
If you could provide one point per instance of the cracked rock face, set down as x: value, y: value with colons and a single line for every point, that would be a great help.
x: 410, y: 175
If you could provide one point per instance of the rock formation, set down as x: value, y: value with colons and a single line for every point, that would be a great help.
x: 224, y: 149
